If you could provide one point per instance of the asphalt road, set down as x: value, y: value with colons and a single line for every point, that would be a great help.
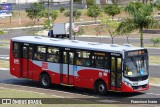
x: 8, y: 81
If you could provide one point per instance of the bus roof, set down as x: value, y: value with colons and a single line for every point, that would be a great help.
x: 75, y: 44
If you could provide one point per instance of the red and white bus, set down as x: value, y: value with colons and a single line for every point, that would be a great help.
x: 98, y: 66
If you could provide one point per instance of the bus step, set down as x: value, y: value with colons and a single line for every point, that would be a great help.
x: 67, y: 85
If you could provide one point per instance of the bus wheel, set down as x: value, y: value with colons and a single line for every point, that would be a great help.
x: 100, y: 88
x: 45, y: 81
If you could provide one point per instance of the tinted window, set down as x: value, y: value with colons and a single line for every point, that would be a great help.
x: 40, y: 53
x: 16, y: 50
x: 83, y: 58
x: 53, y: 54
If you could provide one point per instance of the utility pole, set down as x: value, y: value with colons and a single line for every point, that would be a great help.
x: 48, y: 12
x: 71, y: 20
x: 19, y: 13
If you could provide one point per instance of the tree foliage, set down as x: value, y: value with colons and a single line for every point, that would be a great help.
x: 155, y: 41
x: 112, y: 10
x: 1, y: 32
x: 90, y: 3
x: 34, y: 12
x: 140, y: 18
x: 53, y: 14
x: 62, y: 9
x: 94, y: 12
x: 76, y: 14
x: 111, y: 26
x: 115, y: 1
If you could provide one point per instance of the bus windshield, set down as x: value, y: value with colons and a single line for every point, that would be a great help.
x: 136, y: 66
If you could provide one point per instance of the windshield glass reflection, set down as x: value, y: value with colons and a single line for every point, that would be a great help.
x: 136, y: 66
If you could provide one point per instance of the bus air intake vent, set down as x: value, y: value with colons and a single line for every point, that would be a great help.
x: 74, y: 41
x: 55, y: 39
x: 115, y: 45
x: 92, y: 43
x: 37, y: 37
x: 128, y: 45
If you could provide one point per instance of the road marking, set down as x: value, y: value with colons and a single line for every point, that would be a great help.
x: 59, y: 96
x: 153, y: 94
x: 49, y: 90
x: 4, y: 69
x: 4, y: 57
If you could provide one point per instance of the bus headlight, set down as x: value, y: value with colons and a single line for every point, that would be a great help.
x: 128, y: 84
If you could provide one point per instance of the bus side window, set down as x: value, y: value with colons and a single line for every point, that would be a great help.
x: 24, y: 52
x: 99, y: 60
x: 16, y: 50
x: 30, y: 53
x: 40, y: 53
x: 83, y: 58
x: 53, y: 55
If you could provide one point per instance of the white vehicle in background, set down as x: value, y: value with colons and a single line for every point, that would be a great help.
x: 59, y: 30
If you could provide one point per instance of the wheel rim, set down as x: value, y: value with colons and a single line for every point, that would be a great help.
x: 101, y: 88
x: 44, y: 81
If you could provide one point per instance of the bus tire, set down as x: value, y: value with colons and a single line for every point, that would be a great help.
x: 100, y: 88
x: 45, y: 80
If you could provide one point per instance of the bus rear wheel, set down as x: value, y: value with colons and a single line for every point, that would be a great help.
x: 100, y: 88
x: 45, y: 80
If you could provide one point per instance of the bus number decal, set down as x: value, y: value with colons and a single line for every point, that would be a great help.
x: 100, y: 74
x: 67, y: 49
x: 115, y: 54
x: 44, y: 65
x: 26, y: 44
x: 16, y: 61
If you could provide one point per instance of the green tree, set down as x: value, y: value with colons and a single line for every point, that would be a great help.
x: 53, y: 16
x: 115, y: 1
x: 94, y: 12
x: 111, y: 26
x: 99, y: 29
x: 47, y: 24
x: 76, y: 14
x: 112, y: 10
x: 140, y: 18
x: 1, y: 32
x: 34, y: 12
x: 62, y: 9
x: 155, y: 41
x: 90, y: 3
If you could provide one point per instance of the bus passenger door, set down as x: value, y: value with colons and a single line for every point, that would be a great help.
x: 116, y: 73
x: 67, y: 71
x: 26, y: 69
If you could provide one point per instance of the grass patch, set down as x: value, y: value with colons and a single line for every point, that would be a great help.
x: 4, y: 45
x: 154, y: 81
x: 154, y: 60
x: 4, y: 64
x: 8, y: 93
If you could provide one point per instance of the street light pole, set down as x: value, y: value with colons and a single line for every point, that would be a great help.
x: 71, y: 20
